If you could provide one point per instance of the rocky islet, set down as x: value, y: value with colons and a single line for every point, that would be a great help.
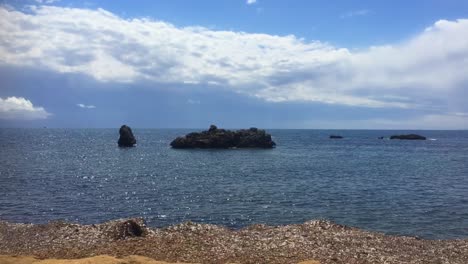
x: 126, y: 139
x: 224, y: 139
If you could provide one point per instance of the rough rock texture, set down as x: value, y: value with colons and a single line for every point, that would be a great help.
x: 102, y: 259
x: 409, y: 137
x: 203, y: 243
x: 130, y: 228
x: 221, y: 138
x: 126, y: 138
x: 335, y: 137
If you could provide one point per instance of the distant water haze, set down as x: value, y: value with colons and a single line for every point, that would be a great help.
x: 400, y: 187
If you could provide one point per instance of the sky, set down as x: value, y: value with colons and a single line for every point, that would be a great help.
x: 234, y: 63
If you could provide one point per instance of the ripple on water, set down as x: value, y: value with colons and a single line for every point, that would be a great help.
x: 398, y: 187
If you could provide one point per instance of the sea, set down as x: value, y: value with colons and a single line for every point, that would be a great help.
x: 398, y: 187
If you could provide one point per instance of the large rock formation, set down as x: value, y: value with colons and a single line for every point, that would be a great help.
x: 409, y: 137
x: 335, y: 137
x: 126, y: 138
x: 221, y: 138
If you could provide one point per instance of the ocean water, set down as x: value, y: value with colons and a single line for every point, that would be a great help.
x: 417, y: 188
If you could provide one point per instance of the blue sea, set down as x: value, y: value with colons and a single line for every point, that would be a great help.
x: 417, y: 188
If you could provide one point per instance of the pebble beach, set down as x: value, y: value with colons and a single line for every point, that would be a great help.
x: 316, y: 241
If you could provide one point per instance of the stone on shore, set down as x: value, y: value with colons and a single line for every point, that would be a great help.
x: 126, y: 138
x: 221, y: 138
x: 101, y: 259
x: 129, y: 228
x: 408, y: 137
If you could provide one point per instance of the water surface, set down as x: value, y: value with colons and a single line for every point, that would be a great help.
x: 415, y: 188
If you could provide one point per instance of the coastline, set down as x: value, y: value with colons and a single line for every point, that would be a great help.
x: 189, y: 242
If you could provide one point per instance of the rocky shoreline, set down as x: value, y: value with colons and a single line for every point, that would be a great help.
x: 319, y: 240
x: 101, y: 259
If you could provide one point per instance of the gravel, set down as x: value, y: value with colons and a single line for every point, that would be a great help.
x: 204, y: 243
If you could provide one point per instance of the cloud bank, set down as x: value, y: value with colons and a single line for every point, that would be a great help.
x: 425, y: 71
x: 19, y: 108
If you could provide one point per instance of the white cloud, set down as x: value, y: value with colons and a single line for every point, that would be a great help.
x: 46, y: 1
x: 86, y: 106
x: 355, y: 13
x: 250, y: 2
x: 21, y: 109
x: 429, y: 67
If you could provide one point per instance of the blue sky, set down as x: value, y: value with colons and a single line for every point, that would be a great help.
x: 272, y: 64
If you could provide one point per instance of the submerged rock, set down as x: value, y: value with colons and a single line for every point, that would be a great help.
x: 126, y: 138
x: 408, y: 137
x: 335, y: 136
x: 221, y: 138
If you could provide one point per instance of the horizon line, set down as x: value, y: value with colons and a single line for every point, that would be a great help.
x: 235, y: 128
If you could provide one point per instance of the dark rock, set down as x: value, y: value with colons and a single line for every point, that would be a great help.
x: 126, y: 138
x: 408, y: 137
x: 122, y: 229
x: 335, y: 136
x: 380, y: 137
x: 130, y: 228
x: 221, y: 138
x: 212, y: 128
